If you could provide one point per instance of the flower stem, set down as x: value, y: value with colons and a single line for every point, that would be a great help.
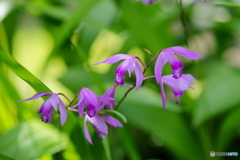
x: 141, y: 62
x: 70, y: 102
x: 74, y: 110
x: 183, y: 21
x: 145, y: 69
x: 64, y: 97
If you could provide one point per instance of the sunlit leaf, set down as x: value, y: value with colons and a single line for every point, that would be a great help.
x: 22, y: 72
x: 31, y: 140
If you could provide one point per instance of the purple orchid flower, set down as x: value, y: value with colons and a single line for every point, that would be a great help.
x: 99, y: 125
x: 105, y: 103
x: 167, y: 55
x: 89, y: 99
x: 176, y: 85
x: 148, y: 1
x: 128, y: 65
x: 46, y: 109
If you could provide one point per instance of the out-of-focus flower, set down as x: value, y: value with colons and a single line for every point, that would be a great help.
x: 99, y: 124
x: 46, y: 109
x: 89, y: 100
x: 128, y: 65
x: 148, y: 1
x: 176, y: 85
x: 196, y: 1
x: 167, y: 55
x: 105, y: 103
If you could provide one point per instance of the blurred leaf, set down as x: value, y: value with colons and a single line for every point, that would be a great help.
x: 102, y: 15
x: 220, y: 90
x: 72, y: 21
x: 148, y: 34
x: 31, y: 140
x: 2, y: 157
x: 149, y: 116
x: 6, y: 7
x: 106, y: 147
x: 76, y: 77
x: 128, y: 143
x: 22, y: 72
x: 228, y: 130
x: 51, y: 11
x: 80, y: 142
x: 227, y: 4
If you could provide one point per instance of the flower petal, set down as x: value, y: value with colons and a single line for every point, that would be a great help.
x: 184, y: 52
x: 174, y: 84
x: 99, y: 124
x: 174, y: 61
x: 122, y: 68
x: 161, y: 60
x: 139, y: 75
x: 104, y: 103
x: 55, y: 100
x: 63, y: 112
x: 112, y: 121
x: 37, y: 96
x: 46, y: 107
x: 188, y: 78
x: 86, y: 132
x: 115, y: 58
x: 163, y: 95
x: 90, y: 99
x: 80, y: 109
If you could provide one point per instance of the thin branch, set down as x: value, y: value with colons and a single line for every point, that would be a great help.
x: 182, y: 17
x: 64, y: 97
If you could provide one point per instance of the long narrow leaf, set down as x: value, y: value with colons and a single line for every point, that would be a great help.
x: 22, y: 72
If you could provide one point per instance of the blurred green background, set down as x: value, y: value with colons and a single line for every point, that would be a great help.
x: 58, y: 40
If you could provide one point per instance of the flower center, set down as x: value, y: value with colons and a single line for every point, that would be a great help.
x: 119, y: 80
x: 45, y: 118
x: 90, y: 112
x: 177, y: 73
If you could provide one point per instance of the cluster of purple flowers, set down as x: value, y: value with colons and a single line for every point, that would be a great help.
x: 91, y: 105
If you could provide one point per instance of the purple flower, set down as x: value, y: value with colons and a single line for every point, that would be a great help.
x: 167, y: 55
x: 148, y: 1
x: 46, y: 109
x: 128, y: 65
x: 89, y: 100
x: 105, y: 103
x: 176, y: 85
x: 99, y: 125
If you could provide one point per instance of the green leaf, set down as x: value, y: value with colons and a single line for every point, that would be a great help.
x: 22, y: 72
x: 116, y: 113
x: 128, y: 143
x: 144, y: 110
x: 72, y: 21
x: 227, y: 4
x: 106, y: 147
x: 228, y: 130
x: 2, y: 157
x: 31, y: 140
x: 220, y: 90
